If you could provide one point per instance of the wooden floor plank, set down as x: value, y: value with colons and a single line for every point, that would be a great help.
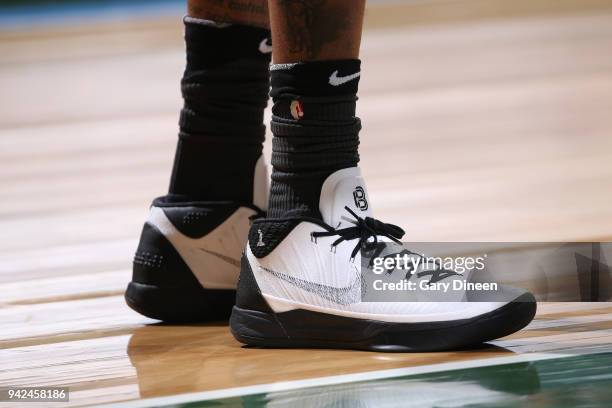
x: 162, y: 359
x: 47, y: 289
x: 44, y: 323
x: 475, y: 129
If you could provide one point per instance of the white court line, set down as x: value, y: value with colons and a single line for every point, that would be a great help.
x: 333, y: 380
x: 540, y: 324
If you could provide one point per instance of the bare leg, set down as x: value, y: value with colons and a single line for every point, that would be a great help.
x: 311, y: 30
x: 247, y: 12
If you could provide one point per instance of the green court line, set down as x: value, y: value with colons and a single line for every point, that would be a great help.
x: 217, y: 394
x: 577, y: 381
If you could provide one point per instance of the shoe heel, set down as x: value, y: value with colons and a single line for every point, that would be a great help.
x: 164, y: 288
x: 252, y: 321
x: 256, y: 328
x: 180, y: 305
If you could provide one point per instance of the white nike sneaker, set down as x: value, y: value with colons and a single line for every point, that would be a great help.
x: 188, y: 260
x: 300, y: 286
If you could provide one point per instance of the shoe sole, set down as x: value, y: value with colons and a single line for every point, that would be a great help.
x: 307, y: 329
x: 180, y: 305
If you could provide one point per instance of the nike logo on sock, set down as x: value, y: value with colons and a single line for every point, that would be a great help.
x: 265, y: 47
x: 335, y: 80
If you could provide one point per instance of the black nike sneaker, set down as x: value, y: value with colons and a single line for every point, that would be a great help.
x: 188, y: 261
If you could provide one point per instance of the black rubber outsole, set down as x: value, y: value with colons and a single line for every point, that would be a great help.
x: 307, y: 329
x: 180, y: 305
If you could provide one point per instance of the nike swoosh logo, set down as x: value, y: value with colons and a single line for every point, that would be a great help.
x: 224, y: 258
x: 264, y: 47
x: 335, y: 80
x: 342, y: 296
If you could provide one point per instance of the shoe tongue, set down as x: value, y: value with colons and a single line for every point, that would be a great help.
x: 344, y: 188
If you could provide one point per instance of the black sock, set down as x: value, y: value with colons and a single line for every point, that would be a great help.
x: 225, y: 90
x: 315, y: 131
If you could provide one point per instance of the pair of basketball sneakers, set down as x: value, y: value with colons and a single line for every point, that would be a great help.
x: 297, y: 284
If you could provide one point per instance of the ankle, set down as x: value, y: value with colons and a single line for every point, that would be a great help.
x: 315, y: 131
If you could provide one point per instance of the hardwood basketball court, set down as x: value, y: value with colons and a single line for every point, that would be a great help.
x: 483, y: 121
